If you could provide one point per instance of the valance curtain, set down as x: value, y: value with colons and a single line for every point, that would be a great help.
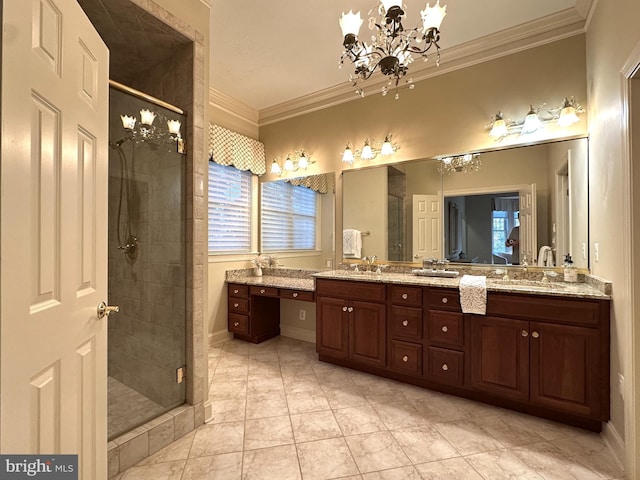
x: 318, y: 183
x: 506, y: 204
x: 231, y: 148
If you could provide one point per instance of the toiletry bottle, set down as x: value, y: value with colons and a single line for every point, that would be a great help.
x: 570, y: 270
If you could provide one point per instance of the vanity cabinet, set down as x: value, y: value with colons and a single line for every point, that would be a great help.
x: 351, y: 321
x: 405, y: 329
x: 546, y: 352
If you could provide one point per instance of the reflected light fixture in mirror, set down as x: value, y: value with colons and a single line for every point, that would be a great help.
x: 302, y: 162
x: 536, y: 118
x: 469, y: 162
x: 146, y: 131
x: 370, y: 150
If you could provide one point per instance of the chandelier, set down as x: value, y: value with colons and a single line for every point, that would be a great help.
x: 144, y: 131
x: 393, y: 47
x: 469, y: 162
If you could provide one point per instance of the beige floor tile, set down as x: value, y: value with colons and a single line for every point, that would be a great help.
x: 216, y: 439
x: 270, y: 405
x: 399, y: 415
x: 357, y: 420
x: 158, y: 471
x: 325, y: 459
x: 376, y: 451
x: 265, y: 386
x: 178, y: 450
x: 501, y: 465
x: 228, y: 390
x: 267, y: 432
x: 508, y: 433
x: 551, y: 463
x: 467, y: 437
x: 275, y: 463
x: 450, y: 469
x: 306, y: 402
x: 423, y: 444
x: 590, y: 450
x: 301, y: 383
x: 227, y: 410
x: 402, y: 473
x: 438, y: 408
x: 343, y: 397
x: 313, y: 426
x: 227, y: 466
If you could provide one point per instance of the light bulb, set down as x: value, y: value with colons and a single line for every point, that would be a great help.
x: 432, y: 16
x: 303, y: 163
x: 347, y: 156
x: 350, y: 23
x: 174, y: 126
x: 288, y: 164
x: 568, y: 114
x: 531, y: 123
x: 367, y: 152
x: 128, y: 122
x: 147, y: 117
x: 275, y: 168
x: 387, y: 148
x: 499, y: 129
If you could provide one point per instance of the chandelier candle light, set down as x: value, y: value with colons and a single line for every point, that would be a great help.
x: 392, y: 46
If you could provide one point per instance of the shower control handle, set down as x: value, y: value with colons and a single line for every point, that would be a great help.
x: 104, y: 310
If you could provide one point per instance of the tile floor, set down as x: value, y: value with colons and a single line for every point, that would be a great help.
x: 128, y: 408
x: 280, y: 414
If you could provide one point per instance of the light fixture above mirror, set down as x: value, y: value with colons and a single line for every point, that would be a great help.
x: 146, y: 131
x: 535, y: 120
x: 393, y: 47
x: 370, y: 150
x: 469, y: 162
x: 300, y: 161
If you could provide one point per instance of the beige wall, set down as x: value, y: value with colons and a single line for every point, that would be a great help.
x: 611, y: 38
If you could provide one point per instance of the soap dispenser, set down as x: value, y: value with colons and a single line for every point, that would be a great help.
x: 570, y: 270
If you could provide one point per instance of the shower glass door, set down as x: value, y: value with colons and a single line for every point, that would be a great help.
x: 147, y: 265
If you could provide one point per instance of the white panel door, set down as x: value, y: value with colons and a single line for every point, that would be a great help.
x: 528, y: 225
x: 427, y: 227
x: 53, y: 272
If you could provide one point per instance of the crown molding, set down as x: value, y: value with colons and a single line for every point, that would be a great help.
x: 233, y: 106
x: 560, y: 25
x: 586, y: 8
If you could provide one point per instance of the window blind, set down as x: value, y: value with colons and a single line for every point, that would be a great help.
x: 288, y: 217
x: 229, y: 226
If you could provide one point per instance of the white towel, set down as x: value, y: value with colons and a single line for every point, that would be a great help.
x: 473, y: 294
x: 545, y: 257
x: 351, y: 243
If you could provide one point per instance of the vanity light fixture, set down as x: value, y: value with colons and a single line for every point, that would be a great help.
x: 301, y: 162
x: 145, y: 130
x: 393, y: 47
x: 370, y: 150
x: 565, y: 116
x: 469, y: 162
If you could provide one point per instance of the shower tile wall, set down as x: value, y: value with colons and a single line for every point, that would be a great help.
x: 147, y: 338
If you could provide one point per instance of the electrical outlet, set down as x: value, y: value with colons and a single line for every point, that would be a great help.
x: 596, y: 252
x: 584, y: 251
x: 328, y: 263
x: 302, y: 315
x: 621, y: 385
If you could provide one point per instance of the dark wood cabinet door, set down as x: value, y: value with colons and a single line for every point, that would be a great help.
x: 332, y: 331
x: 565, y: 368
x: 500, y: 356
x: 367, y: 337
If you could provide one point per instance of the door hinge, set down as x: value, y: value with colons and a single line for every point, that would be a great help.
x: 181, y: 374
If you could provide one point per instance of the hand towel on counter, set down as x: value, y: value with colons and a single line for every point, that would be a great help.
x: 351, y: 243
x: 473, y: 294
x: 545, y: 257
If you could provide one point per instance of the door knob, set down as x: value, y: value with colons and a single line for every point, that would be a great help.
x: 104, y: 310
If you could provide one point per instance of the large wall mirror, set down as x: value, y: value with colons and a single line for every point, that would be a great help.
x: 297, y: 221
x: 526, y: 203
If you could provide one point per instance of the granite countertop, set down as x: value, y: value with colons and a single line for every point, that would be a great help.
x: 303, y: 284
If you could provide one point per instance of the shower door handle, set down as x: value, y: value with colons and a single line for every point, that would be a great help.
x: 104, y: 310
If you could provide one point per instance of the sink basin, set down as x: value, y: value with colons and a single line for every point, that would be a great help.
x: 425, y: 272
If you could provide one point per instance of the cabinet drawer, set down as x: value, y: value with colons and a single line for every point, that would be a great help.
x: 406, y: 322
x: 351, y: 290
x: 237, y: 290
x: 402, y: 295
x: 445, y: 327
x: 406, y: 357
x: 296, y: 295
x: 444, y: 299
x: 445, y: 365
x: 238, y: 324
x: 238, y: 305
x: 264, y: 291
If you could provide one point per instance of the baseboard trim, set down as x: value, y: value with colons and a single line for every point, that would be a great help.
x: 298, y: 333
x: 614, y: 441
x: 216, y: 338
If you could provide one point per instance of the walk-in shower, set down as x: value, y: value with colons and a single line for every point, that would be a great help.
x: 147, y: 259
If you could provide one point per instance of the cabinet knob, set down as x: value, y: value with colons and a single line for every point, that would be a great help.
x: 235, y: 290
x: 344, y: 309
x: 405, y: 323
x: 350, y: 309
x: 295, y: 294
x: 445, y: 329
x: 445, y: 300
x: 445, y: 367
x: 524, y: 333
x: 262, y: 290
x: 405, y: 358
x: 405, y: 296
x: 236, y: 324
x: 236, y: 305
x: 535, y: 334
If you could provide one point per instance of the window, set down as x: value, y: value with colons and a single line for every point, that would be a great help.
x: 229, y: 209
x: 502, y: 223
x: 288, y: 216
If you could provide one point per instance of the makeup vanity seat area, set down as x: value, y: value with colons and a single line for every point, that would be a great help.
x: 545, y: 355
